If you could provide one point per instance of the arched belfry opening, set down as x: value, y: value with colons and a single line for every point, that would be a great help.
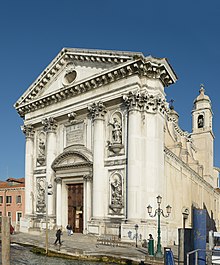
x: 200, y: 121
x: 73, y: 175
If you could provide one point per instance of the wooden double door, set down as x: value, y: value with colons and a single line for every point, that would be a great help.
x: 75, y: 207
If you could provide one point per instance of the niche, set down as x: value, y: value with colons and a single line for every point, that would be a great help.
x: 200, y: 121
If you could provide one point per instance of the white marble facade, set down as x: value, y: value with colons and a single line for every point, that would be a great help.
x: 100, y: 119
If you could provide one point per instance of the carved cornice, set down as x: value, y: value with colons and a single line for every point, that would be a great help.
x: 72, y: 55
x: 143, y: 101
x: 115, y: 162
x: 83, y: 160
x: 49, y: 124
x: 143, y: 67
x: 28, y: 130
x: 72, y: 165
x: 97, y: 110
x: 39, y: 171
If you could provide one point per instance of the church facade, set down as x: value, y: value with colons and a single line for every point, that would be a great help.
x: 103, y: 142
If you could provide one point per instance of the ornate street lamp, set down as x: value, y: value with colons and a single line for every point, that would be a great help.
x: 159, y: 212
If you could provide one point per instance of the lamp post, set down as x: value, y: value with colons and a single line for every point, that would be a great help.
x: 136, y: 235
x: 159, y: 212
x: 47, y: 193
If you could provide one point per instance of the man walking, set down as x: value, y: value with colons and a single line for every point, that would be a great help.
x: 58, y: 237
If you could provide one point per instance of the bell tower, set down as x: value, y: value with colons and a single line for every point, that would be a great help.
x: 202, y: 133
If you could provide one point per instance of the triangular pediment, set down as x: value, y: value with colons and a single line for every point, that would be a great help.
x: 72, y: 66
x: 76, y: 71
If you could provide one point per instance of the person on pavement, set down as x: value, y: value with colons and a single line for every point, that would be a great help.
x: 58, y: 237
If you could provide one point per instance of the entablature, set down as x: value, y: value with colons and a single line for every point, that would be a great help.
x: 146, y: 67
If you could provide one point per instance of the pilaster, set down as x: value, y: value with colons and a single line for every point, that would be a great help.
x: 145, y: 150
x: 87, y: 198
x: 50, y: 126
x: 28, y: 130
x: 97, y: 112
x: 58, y: 201
x: 132, y: 100
x: 153, y: 173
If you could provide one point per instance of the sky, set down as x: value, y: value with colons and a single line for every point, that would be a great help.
x: 32, y: 33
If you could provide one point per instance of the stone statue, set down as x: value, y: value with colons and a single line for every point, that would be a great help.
x: 116, y: 191
x: 41, y: 148
x: 116, y: 131
x: 41, y: 157
x: 40, y: 195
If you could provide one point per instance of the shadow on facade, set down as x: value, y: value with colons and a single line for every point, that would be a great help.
x: 210, y: 222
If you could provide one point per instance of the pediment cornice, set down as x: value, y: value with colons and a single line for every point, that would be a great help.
x: 149, y: 66
x: 72, y: 157
x: 67, y: 55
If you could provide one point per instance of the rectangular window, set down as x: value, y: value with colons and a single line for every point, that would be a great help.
x: 19, y: 215
x: 8, y: 199
x: 9, y: 215
x: 18, y: 199
x: 1, y: 199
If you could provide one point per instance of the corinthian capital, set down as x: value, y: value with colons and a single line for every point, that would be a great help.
x: 49, y: 124
x: 143, y: 101
x: 135, y: 99
x: 88, y: 177
x: 97, y: 110
x: 28, y: 130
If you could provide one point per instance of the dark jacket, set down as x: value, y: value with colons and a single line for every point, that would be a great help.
x: 58, y: 233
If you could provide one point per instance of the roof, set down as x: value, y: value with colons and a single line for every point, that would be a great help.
x: 20, y: 180
x: 12, y: 183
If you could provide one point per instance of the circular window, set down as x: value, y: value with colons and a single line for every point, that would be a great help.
x: 69, y: 77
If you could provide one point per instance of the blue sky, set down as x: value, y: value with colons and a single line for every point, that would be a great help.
x: 33, y: 32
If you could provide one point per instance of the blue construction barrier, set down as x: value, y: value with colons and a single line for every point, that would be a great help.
x: 199, y: 233
x: 168, y: 256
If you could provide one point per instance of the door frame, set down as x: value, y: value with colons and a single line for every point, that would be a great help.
x: 77, y: 211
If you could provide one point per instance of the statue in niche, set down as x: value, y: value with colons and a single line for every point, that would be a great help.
x: 200, y: 121
x: 41, y: 150
x: 116, y: 193
x: 116, y: 131
x: 40, y: 195
x: 41, y: 147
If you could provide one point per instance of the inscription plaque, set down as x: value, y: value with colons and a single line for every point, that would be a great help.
x: 75, y: 134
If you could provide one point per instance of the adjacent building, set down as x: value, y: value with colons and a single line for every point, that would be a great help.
x: 12, y: 200
x: 102, y: 137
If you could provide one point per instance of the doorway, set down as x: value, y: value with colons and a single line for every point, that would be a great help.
x: 75, y: 207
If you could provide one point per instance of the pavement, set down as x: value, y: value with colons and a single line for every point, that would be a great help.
x: 85, y: 247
